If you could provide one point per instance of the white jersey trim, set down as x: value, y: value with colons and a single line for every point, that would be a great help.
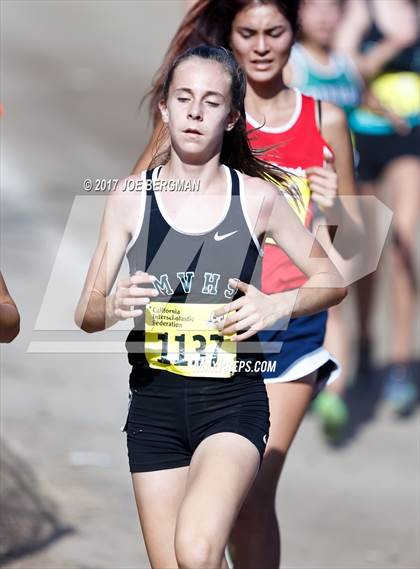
x: 141, y: 213
x: 331, y: 70
x: 284, y: 128
x: 220, y: 221
x: 245, y: 213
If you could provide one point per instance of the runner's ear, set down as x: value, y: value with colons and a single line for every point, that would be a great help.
x: 163, y: 111
x: 232, y: 119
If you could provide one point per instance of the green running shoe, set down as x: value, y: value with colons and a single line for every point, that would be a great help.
x: 333, y: 413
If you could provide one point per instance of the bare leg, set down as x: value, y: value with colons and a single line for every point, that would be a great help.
x: 158, y: 497
x: 338, y: 342
x: 256, y: 536
x: 365, y: 286
x: 337, y: 339
x: 222, y: 471
x: 403, y: 175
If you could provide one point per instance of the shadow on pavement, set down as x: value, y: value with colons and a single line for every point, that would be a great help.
x: 363, y: 399
x: 29, y: 520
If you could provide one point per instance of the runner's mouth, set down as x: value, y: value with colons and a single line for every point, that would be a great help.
x: 261, y: 61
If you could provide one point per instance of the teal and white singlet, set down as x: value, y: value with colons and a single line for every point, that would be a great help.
x: 338, y: 82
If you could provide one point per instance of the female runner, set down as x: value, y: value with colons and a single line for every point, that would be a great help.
x: 389, y: 151
x: 9, y: 315
x: 315, y: 67
x: 260, y: 35
x: 319, y: 71
x: 197, y: 427
x: 323, y: 72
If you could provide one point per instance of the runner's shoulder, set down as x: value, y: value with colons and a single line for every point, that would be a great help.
x: 125, y: 202
x: 259, y: 190
x: 333, y: 116
x: 131, y: 184
x: 261, y: 198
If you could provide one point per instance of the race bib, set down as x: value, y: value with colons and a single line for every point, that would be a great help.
x: 399, y: 91
x: 184, y: 339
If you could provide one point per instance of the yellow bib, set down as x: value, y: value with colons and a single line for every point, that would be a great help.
x: 183, y: 339
x: 399, y: 91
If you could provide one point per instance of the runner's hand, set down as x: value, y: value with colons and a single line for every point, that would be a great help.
x: 398, y: 122
x: 252, y: 312
x: 323, y: 182
x: 129, y: 295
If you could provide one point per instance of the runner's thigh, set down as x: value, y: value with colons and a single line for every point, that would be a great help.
x: 158, y: 498
x: 222, y: 470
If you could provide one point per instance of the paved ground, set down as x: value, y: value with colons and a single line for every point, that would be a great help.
x: 73, y: 74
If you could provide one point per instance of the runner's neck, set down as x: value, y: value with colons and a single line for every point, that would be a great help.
x: 210, y: 174
x: 276, y: 111
x: 321, y: 54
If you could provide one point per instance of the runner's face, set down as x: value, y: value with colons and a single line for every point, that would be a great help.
x: 197, y: 110
x: 319, y: 19
x: 261, y: 40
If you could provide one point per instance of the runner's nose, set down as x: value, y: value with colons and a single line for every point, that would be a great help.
x: 261, y: 47
x: 195, y: 113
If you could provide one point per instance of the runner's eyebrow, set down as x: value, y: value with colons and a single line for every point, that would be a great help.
x: 206, y: 94
x: 267, y: 30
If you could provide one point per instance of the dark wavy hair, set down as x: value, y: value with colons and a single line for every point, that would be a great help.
x: 210, y: 22
x: 236, y: 151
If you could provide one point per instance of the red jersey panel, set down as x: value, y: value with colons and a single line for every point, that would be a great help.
x: 295, y: 146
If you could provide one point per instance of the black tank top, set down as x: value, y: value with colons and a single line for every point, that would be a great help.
x: 176, y: 332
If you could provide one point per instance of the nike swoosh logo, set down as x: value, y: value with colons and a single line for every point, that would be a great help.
x: 218, y: 237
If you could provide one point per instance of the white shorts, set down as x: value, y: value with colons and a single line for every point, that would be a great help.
x: 319, y: 360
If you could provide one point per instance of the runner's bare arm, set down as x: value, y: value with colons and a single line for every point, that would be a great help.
x: 97, y: 309
x: 356, y: 22
x: 342, y: 212
x: 159, y: 142
x: 371, y: 102
x: 324, y: 287
x: 9, y: 315
x: 270, y: 214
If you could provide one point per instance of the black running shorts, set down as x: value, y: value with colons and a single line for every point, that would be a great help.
x: 375, y: 152
x: 169, y: 415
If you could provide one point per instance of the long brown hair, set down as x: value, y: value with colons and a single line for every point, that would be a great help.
x: 236, y: 152
x: 210, y: 22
